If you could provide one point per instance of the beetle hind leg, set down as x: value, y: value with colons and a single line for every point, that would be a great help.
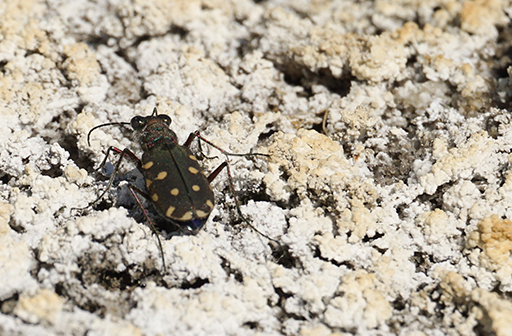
x: 134, y: 190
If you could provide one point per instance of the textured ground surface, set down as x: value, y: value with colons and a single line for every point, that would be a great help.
x: 391, y: 219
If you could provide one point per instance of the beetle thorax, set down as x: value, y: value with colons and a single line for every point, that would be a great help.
x: 156, y: 133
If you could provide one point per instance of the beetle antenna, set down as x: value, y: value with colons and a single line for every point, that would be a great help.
x: 124, y: 124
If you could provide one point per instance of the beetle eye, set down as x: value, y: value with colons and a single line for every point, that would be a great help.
x: 138, y: 123
x: 165, y: 118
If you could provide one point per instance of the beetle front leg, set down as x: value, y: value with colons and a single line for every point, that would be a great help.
x: 124, y: 153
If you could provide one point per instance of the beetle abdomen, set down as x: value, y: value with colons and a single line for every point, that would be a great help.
x: 177, y: 185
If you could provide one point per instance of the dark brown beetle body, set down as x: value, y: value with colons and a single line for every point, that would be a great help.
x: 175, y: 182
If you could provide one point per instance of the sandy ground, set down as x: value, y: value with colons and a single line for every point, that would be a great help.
x: 387, y: 191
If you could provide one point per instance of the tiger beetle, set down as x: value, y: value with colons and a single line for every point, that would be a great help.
x: 175, y: 182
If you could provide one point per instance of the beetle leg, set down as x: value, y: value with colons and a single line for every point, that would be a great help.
x: 225, y: 164
x: 191, y: 138
x: 124, y: 153
x: 216, y: 172
x: 196, y: 134
x: 134, y: 190
x: 213, y: 175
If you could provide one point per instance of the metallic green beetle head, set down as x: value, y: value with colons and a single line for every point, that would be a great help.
x: 153, y: 129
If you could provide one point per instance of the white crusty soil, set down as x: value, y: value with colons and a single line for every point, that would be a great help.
x: 394, y: 218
